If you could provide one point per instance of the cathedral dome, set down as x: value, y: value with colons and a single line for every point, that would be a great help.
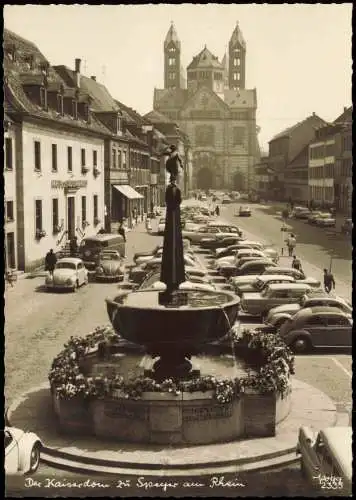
x: 205, y: 60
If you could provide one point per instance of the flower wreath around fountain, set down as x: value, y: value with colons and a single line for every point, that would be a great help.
x: 270, y: 375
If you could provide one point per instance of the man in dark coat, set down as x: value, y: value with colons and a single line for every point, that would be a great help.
x: 121, y: 231
x: 50, y: 261
x: 329, y: 281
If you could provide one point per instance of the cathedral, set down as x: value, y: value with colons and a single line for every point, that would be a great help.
x: 212, y: 106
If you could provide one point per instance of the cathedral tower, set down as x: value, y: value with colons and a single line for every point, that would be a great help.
x: 172, y: 60
x: 237, y: 60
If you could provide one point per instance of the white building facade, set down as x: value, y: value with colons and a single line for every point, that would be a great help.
x: 60, y: 189
x: 321, y: 171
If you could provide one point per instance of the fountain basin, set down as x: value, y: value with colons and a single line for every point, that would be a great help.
x: 140, y: 318
x: 161, y: 418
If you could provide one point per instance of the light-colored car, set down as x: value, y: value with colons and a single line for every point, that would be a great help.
x: 317, y: 327
x: 226, y: 227
x: 244, y: 212
x: 230, y: 251
x: 326, y: 459
x: 239, y: 254
x: 262, y: 281
x: 195, y: 235
x: 300, y: 212
x: 325, y: 220
x: 69, y: 273
x: 110, y: 267
x: 299, y: 276
x: 161, y: 226
x: 156, y: 253
x: 258, y: 304
x: 278, y: 315
x: 22, y: 451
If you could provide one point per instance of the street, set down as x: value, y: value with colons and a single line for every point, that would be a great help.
x: 38, y: 323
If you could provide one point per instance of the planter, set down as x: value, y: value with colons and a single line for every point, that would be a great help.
x: 160, y: 396
x: 198, y: 395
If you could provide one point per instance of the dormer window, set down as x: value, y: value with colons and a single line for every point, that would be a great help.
x: 75, y: 109
x: 43, y: 97
x: 60, y: 109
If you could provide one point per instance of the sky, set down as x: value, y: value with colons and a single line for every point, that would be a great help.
x: 299, y: 57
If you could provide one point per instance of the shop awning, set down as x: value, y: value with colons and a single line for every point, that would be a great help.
x: 128, y: 192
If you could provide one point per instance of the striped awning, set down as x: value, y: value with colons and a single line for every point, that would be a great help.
x: 128, y: 192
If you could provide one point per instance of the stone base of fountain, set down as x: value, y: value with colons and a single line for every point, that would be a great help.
x: 163, y: 418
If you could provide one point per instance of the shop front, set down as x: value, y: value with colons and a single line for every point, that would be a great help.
x: 126, y: 203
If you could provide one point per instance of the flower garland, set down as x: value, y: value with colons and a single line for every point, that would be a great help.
x: 68, y: 380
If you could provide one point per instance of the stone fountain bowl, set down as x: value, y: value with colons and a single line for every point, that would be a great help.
x: 138, y: 317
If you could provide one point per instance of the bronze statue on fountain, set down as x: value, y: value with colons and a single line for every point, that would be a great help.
x: 173, y: 324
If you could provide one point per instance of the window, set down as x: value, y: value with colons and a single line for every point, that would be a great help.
x: 315, y: 321
x: 75, y: 109
x: 238, y: 136
x: 60, y: 104
x: 38, y: 215
x: 119, y: 158
x: 82, y: 155
x: 55, y: 214
x: 204, y: 135
x: 237, y: 61
x: 124, y: 159
x: 234, y: 76
x: 95, y: 206
x: 10, y: 210
x: 84, y: 209
x: 113, y: 158
x: 54, y: 158
x: 8, y: 153
x: 171, y: 61
x: 172, y: 76
x: 337, y: 321
x: 37, y: 155
x: 70, y: 159
x: 95, y: 158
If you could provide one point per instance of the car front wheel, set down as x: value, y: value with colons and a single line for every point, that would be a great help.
x: 35, y: 458
x: 301, y: 345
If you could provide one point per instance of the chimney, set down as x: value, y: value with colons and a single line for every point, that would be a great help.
x: 313, y: 113
x: 77, y: 72
x: 93, y: 78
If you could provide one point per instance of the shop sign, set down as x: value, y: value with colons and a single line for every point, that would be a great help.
x: 69, y: 184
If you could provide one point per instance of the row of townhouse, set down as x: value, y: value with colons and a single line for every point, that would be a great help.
x: 310, y: 163
x: 75, y: 159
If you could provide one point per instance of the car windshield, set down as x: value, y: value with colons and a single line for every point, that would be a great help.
x: 109, y: 256
x: 65, y: 265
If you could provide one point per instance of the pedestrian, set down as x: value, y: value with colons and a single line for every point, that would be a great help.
x: 329, y: 281
x: 217, y: 210
x: 148, y: 225
x: 291, y: 244
x: 296, y: 264
x: 50, y: 261
x: 73, y: 247
x: 121, y: 230
x: 136, y: 216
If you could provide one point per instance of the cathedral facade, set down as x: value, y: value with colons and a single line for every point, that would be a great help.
x: 212, y: 106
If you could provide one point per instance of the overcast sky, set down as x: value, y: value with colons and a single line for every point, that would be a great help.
x: 298, y: 56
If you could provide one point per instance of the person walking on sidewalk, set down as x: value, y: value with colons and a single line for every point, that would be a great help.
x: 217, y: 210
x: 296, y: 264
x: 291, y: 244
x: 50, y: 261
x: 329, y: 281
x: 148, y: 225
x: 121, y: 230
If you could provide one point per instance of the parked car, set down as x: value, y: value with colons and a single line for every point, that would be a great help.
x: 280, y: 314
x: 347, y: 226
x: 317, y: 327
x: 300, y: 212
x: 231, y: 256
x: 69, y: 273
x: 262, y: 281
x: 157, y: 252
x: 138, y: 273
x: 256, y: 267
x: 226, y: 228
x: 325, y: 220
x: 110, y: 266
x: 22, y: 451
x: 161, y: 226
x: 196, y: 235
x: 259, y: 303
x: 314, y: 215
x: 244, y: 211
x: 299, y: 276
x: 220, y: 240
x: 326, y: 459
x: 91, y: 247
